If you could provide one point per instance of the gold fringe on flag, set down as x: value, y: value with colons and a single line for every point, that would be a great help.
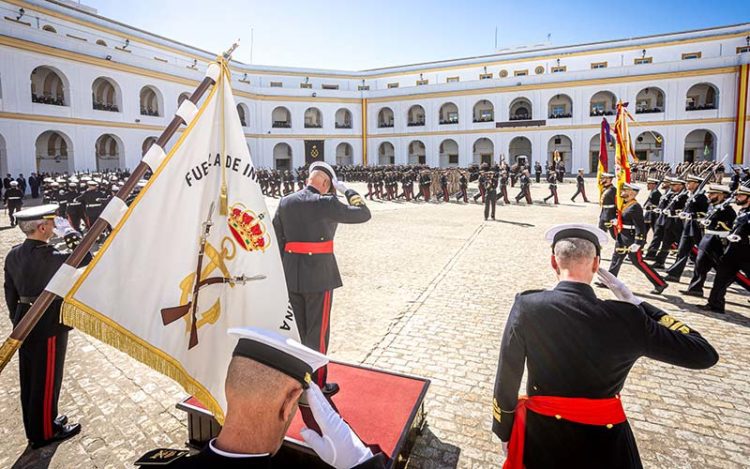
x: 111, y: 333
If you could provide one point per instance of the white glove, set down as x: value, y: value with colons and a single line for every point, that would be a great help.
x: 339, y: 186
x: 62, y: 227
x: 621, y: 291
x: 635, y: 247
x: 339, y: 446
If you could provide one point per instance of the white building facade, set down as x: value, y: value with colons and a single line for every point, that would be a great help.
x: 81, y: 92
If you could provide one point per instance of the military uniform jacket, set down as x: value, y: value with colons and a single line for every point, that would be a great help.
x: 579, y: 180
x: 552, y: 180
x: 208, y: 459
x: 576, y: 345
x: 695, y: 208
x: 663, y: 202
x: 654, y: 197
x: 309, y: 216
x: 13, y: 197
x: 28, y: 269
x: 739, y: 251
x: 609, y: 209
x: 524, y: 181
x: 633, y: 225
x: 720, y: 220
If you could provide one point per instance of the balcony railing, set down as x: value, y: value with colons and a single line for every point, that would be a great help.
x: 448, y: 121
x: 700, y: 107
x: 561, y: 115
x: 415, y: 123
x: 54, y: 101
x: 598, y: 113
x: 650, y: 110
x: 312, y: 125
x: 106, y: 107
x: 484, y: 119
x: 149, y: 112
x: 385, y: 125
x: 344, y: 125
x: 520, y: 117
x: 281, y: 125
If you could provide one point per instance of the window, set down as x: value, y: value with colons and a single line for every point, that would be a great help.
x: 743, y: 49
x: 276, y: 84
x: 363, y: 88
x: 330, y: 87
x: 49, y: 28
x: 452, y: 80
x: 452, y: 159
x: 100, y: 42
x: 539, y: 70
x: 559, y: 69
x: 691, y: 55
x: 558, y: 109
x: 597, y: 109
x: 485, y: 76
x: 503, y: 73
x: 596, y: 65
x: 422, y: 82
x: 643, y: 60
x: 520, y: 73
x: 392, y: 85
x: 305, y: 85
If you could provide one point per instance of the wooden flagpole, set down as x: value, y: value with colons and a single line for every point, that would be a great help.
x: 30, y: 319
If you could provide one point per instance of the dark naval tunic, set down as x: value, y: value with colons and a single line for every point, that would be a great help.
x: 576, y: 345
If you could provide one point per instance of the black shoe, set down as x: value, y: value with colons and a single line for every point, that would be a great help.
x: 61, y: 420
x: 712, y: 308
x: 330, y: 389
x: 67, y: 431
x: 672, y: 278
x: 696, y: 294
x: 658, y: 290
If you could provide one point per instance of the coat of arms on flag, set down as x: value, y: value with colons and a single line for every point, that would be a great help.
x: 191, y: 257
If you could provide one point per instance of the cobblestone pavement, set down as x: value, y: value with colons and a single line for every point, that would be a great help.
x: 427, y: 289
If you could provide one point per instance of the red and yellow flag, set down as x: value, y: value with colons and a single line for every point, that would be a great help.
x: 603, y: 166
x: 623, y: 149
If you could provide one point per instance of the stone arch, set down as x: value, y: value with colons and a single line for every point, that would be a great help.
x: 281, y: 118
x: 448, y: 113
x: 242, y: 112
x: 702, y: 96
x: 649, y: 100
x: 417, y: 152
x: 313, y: 118
x: 415, y: 116
x: 385, y: 118
x: 563, y: 145
x: 49, y: 86
x: 106, y: 95
x: 520, y: 109
x: 484, y: 111
x: 700, y: 145
x: 483, y: 151
x: 649, y: 146
x: 54, y: 153
x: 386, y: 153
x: 109, y: 153
x: 449, y: 153
x: 603, y: 103
x: 344, y: 154
x: 519, y: 147
x: 560, y: 106
x: 282, y: 156
x: 151, y: 101
x: 343, y: 118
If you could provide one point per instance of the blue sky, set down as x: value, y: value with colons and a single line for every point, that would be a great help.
x: 355, y: 35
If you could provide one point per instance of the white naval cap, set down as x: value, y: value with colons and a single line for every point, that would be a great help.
x: 40, y: 212
x: 577, y: 230
x: 278, y: 352
x: 326, y: 168
x: 631, y: 186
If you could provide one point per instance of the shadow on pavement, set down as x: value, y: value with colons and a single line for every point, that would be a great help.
x: 36, y: 459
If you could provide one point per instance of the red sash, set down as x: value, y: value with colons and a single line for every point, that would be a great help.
x: 299, y: 247
x: 574, y: 409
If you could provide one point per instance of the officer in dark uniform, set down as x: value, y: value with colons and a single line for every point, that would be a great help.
x: 13, y: 199
x: 631, y: 239
x: 736, y: 256
x: 490, y: 194
x: 661, y: 219
x: 28, y: 269
x: 695, y: 209
x: 608, y: 202
x: 718, y: 223
x: 305, y: 224
x: 525, y: 183
x: 580, y: 187
x: 504, y: 186
x: 75, y: 207
x: 444, y: 186
x: 579, y: 350
x: 654, y: 196
x: 673, y: 223
x: 92, y: 200
x: 267, y: 376
x: 424, y: 184
x: 552, y: 180
x: 538, y: 171
x: 463, y: 186
x: 481, y: 179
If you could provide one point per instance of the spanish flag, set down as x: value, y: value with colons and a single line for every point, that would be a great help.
x: 623, y: 149
x: 603, y: 167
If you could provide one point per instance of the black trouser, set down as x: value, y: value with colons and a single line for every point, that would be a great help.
x: 580, y: 189
x: 726, y: 274
x: 637, y: 259
x: 704, y: 262
x: 11, y: 210
x: 653, y: 248
x: 312, y: 312
x: 480, y: 194
x: 672, y: 234
x: 40, y: 365
x: 552, y: 193
x: 687, y: 243
x: 75, y: 217
x: 538, y: 177
x: 490, y: 201
x: 524, y: 194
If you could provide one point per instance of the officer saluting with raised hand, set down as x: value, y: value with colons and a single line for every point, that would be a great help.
x: 305, y: 224
x: 28, y: 269
x: 579, y: 350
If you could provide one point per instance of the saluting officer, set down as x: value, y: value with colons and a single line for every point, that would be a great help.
x: 573, y: 415
x: 607, y: 203
x: 28, y: 269
x: 632, y: 237
x: 305, y: 224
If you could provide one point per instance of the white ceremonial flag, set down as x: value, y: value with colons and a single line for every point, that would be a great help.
x: 139, y: 293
